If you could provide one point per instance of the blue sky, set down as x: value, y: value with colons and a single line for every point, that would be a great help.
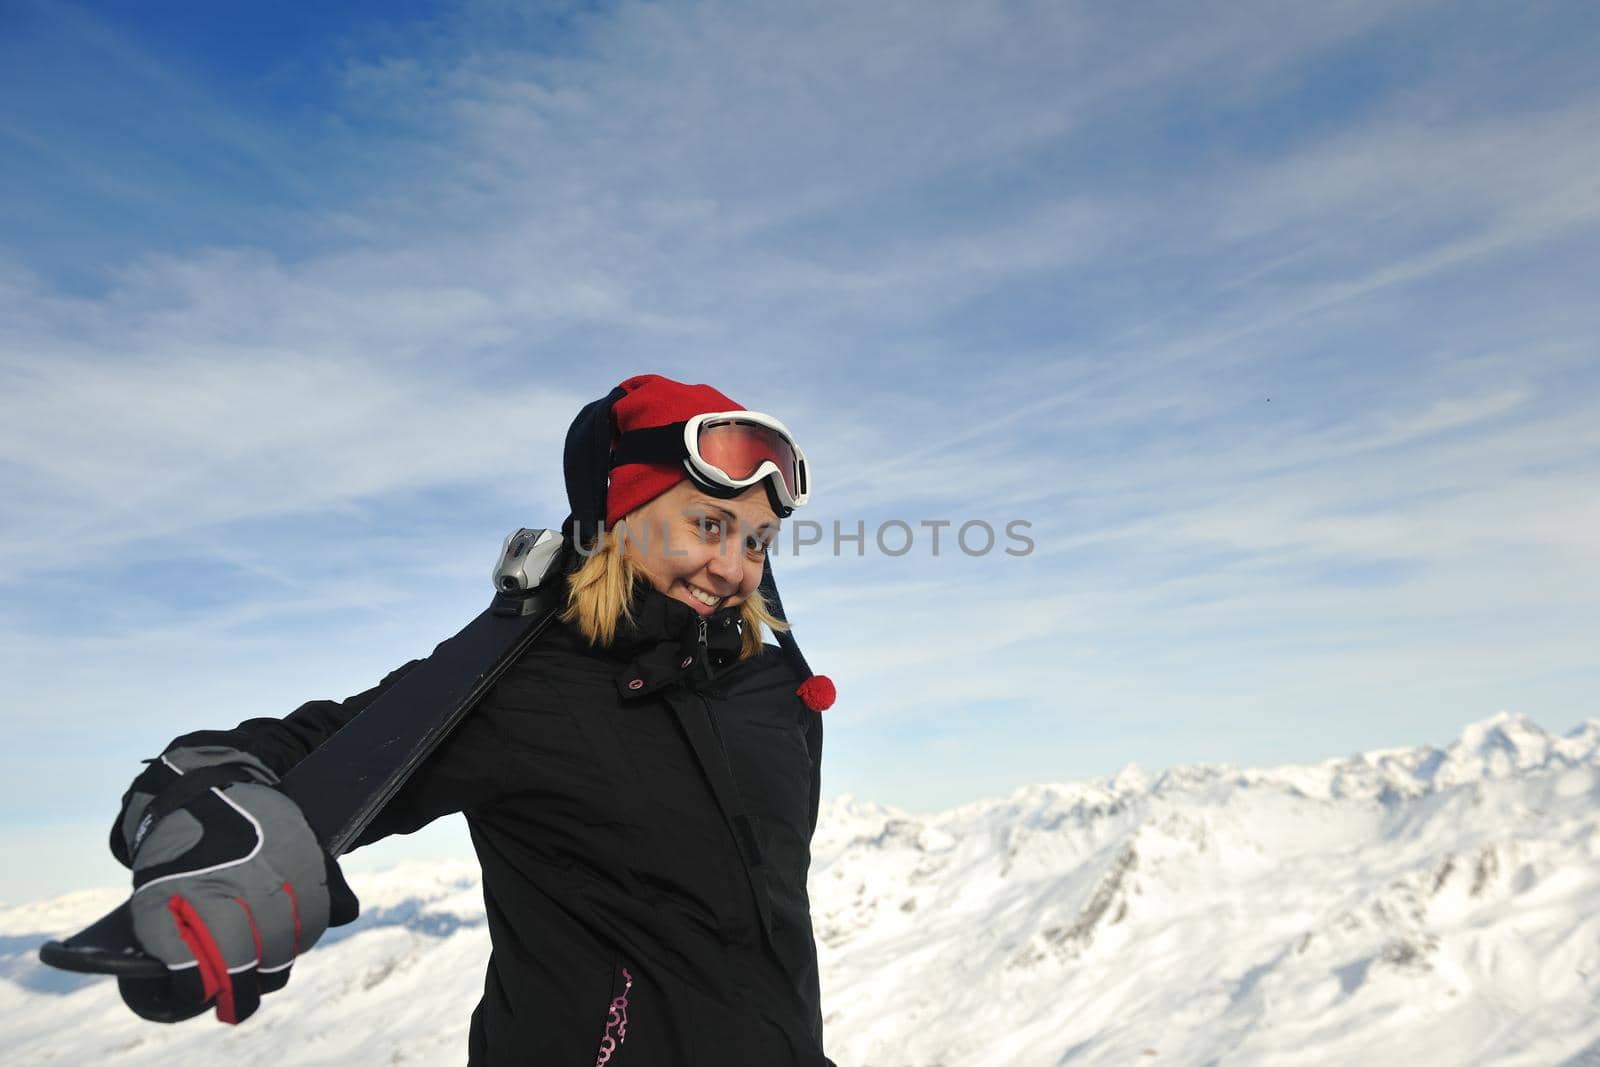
x: 1277, y: 324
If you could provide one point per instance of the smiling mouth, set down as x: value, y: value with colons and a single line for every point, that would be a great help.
x: 704, y: 597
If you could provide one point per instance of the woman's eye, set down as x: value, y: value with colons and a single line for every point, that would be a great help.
x: 756, y: 546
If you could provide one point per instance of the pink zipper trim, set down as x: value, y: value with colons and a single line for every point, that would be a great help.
x: 616, y: 1020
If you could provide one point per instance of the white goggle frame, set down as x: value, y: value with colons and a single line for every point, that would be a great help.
x: 705, y: 470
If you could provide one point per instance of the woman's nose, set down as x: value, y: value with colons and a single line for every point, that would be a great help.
x: 726, y: 566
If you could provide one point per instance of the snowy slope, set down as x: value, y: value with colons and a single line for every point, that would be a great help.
x: 1430, y: 906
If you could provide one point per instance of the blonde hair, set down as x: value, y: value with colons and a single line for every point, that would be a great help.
x: 600, y: 595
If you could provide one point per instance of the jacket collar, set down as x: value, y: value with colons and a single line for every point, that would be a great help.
x: 663, y: 644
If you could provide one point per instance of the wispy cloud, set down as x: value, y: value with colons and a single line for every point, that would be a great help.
x: 1275, y: 323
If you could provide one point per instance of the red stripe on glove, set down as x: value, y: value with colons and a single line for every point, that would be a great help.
x: 294, y: 909
x: 255, y: 935
x: 214, y: 976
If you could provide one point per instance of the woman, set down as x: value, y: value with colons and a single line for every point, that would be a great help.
x: 641, y: 786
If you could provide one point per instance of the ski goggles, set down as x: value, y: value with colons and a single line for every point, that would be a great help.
x: 725, y: 453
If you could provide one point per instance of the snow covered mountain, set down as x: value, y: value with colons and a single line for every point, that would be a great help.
x: 1421, y: 905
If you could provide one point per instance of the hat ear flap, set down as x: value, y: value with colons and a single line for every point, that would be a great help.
x: 586, y: 461
x: 815, y: 690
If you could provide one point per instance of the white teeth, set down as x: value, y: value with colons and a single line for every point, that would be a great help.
x: 705, y: 598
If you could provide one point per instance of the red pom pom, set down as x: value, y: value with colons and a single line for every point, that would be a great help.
x: 818, y: 692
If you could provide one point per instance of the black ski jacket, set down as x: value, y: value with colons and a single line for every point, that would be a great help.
x: 643, y: 814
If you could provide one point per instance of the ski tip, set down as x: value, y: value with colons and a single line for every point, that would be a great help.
x: 106, y: 947
x: 63, y: 956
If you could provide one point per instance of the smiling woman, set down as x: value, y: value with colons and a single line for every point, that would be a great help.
x: 708, y: 554
x: 641, y: 786
x: 694, y: 530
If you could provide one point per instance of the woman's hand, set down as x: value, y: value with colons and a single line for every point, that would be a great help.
x: 230, y: 883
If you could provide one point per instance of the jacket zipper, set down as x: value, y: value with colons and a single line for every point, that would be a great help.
x: 705, y: 652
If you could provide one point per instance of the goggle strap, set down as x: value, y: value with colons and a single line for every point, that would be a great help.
x: 779, y: 508
x: 652, y: 444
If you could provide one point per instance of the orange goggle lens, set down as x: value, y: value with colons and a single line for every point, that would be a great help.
x: 738, y: 449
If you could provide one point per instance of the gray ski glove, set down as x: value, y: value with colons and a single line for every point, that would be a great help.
x: 229, y: 883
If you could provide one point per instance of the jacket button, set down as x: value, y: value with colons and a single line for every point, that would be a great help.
x: 686, y: 661
x: 637, y: 683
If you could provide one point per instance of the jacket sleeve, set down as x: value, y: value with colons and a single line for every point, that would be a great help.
x: 282, y: 743
x: 462, y: 773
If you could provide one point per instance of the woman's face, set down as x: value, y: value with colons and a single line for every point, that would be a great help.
x: 702, y: 550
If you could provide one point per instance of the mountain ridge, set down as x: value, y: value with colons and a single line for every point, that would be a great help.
x: 1436, y: 904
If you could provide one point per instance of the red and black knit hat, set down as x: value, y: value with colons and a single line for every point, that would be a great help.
x: 599, y: 494
x: 651, y: 400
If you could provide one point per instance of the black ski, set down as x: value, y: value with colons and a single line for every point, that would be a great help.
x: 346, y: 781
